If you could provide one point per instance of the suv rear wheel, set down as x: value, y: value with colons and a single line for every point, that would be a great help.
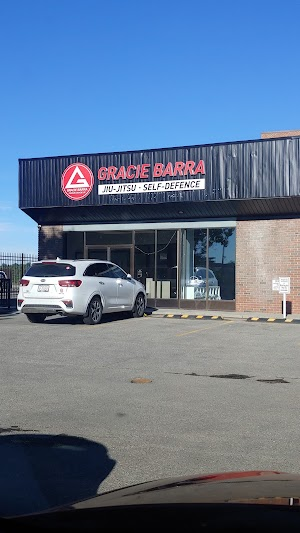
x: 94, y: 313
x: 36, y: 318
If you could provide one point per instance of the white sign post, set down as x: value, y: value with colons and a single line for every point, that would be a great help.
x: 283, y: 286
x: 284, y: 289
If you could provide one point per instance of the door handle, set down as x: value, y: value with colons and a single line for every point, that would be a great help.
x: 101, y: 282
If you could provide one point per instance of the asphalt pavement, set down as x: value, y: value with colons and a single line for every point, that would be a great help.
x: 222, y: 394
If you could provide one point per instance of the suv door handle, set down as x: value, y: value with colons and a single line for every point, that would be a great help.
x: 101, y: 282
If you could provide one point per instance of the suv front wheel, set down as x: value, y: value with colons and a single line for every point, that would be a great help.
x: 139, y: 306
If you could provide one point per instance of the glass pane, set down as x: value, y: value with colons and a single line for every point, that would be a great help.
x: 166, y: 285
x: 99, y: 270
x: 109, y: 272
x: 144, y: 260
x: 100, y: 253
x: 194, y: 274
x: 108, y: 237
x: 222, y: 264
x: 74, y: 244
x: 121, y: 257
x: 51, y: 270
x: 90, y: 271
x: 117, y: 273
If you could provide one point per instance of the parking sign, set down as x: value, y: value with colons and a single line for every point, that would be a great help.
x: 284, y: 285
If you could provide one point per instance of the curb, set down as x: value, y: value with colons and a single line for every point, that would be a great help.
x: 219, y: 317
x: 277, y: 320
x: 184, y: 317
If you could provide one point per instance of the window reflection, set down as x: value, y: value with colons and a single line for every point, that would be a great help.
x: 144, y: 260
x: 208, y: 264
x: 156, y: 262
x: 166, y: 273
x: 221, y: 256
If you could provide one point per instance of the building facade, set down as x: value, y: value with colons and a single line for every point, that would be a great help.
x: 203, y: 227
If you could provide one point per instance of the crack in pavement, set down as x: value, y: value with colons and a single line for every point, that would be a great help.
x: 17, y: 429
x: 234, y: 376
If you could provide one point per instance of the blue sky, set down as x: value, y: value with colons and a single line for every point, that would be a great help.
x: 84, y: 76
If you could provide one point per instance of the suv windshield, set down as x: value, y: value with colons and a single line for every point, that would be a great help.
x: 51, y: 270
x: 200, y: 273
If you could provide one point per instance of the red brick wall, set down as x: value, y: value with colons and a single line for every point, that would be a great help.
x: 265, y: 250
x: 50, y: 242
x: 278, y: 134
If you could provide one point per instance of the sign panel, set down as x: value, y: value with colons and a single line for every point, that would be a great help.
x: 275, y: 285
x: 150, y: 186
x: 73, y: 180
x: 77, y: 181
x: 120, y: 178
x: 284, y: 285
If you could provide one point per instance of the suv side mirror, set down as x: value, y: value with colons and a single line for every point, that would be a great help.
x: 129, y: 276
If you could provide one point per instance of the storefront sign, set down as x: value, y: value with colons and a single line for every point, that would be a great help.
x: 77, y: 181
x: 124, y: 178
x: 159, y: 170
x: 227, y: 169
x: 152, y: 186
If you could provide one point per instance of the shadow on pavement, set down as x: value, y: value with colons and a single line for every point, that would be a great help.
x: 8, y: 313
x: 43, y: 471
x: 150, y: 310
x: 56, y: 319
x: 109, y: 317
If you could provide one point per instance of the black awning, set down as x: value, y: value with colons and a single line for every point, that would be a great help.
x: 240, y: 209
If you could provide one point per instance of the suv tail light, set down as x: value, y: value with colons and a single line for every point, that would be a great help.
x: 24, y: 282
x: 69, y: 282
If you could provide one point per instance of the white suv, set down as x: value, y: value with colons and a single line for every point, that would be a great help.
x: 78, y: 287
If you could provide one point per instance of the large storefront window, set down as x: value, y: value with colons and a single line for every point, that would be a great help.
x: 201, y: 261
x: 208, y: 264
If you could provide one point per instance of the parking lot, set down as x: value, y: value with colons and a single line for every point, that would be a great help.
x: 224, y: 394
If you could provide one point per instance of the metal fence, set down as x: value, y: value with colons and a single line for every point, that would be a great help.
x: 15, y: 265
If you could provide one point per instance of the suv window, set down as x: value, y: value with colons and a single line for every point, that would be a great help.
x: 116, y: 272
x: 100, y: 270
x: 50, y: 270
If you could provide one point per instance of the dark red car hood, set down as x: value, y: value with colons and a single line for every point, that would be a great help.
x: 249, y: 487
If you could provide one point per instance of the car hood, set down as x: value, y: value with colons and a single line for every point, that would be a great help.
x: 257, y: 487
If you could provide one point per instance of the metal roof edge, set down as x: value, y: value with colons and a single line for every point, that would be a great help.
x: 184, y: 147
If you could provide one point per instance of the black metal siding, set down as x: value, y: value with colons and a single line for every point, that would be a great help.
x: 267, y: 168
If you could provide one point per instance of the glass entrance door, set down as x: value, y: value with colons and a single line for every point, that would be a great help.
x: 122, y: 258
